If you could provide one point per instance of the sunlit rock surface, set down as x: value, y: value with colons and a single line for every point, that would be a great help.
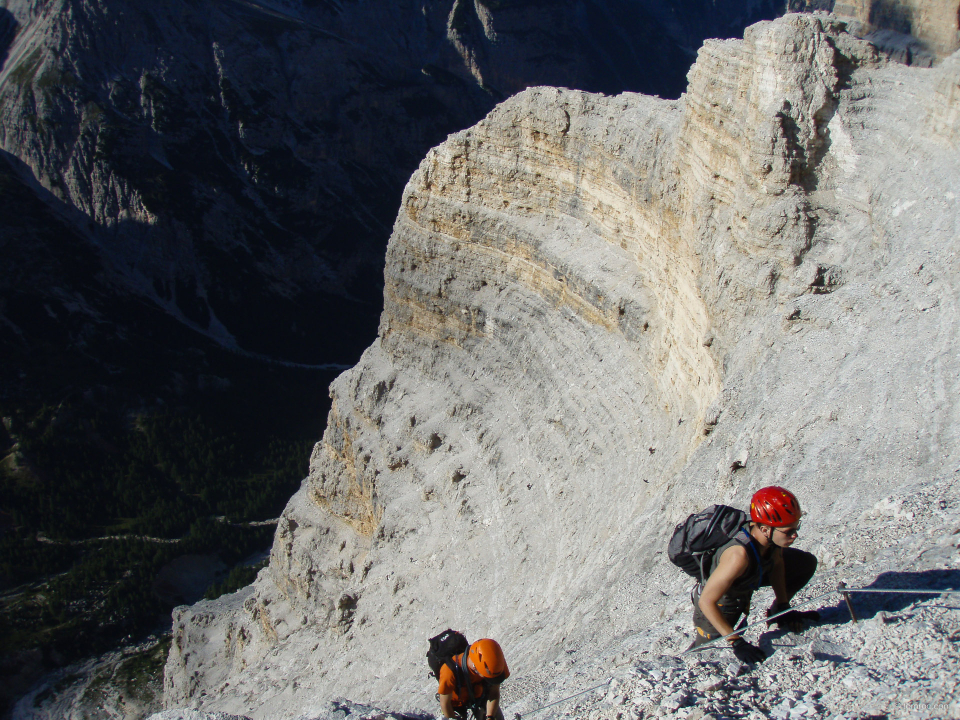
x: 600, y: 314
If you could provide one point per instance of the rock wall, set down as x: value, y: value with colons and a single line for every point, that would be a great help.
x: 944, y: 112
x: 600, y: 314
x: 933, y: 22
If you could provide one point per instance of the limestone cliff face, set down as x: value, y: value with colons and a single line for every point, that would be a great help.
x: 935, y: 23
x: 754, y: 135
x: 600, y: 314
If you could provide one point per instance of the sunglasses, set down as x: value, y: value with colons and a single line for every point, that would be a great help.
x: 790, y: 532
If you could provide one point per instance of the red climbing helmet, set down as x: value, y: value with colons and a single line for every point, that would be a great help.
x: 774, y: 506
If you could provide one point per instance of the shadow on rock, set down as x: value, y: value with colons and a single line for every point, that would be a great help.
x: 867, y: 605
x: 346, y: 710
x: 8, y: 30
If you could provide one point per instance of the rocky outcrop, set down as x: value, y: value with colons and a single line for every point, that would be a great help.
x: 934, y: 23
x: 897, y: 660
x: 234, y: 162
x: 600, y: 314
x: 912, y: 32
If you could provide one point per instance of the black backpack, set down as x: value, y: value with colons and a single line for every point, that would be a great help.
x: 442, y: 649
x: 697, y: 538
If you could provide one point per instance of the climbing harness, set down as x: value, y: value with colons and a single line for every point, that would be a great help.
x: 841, y: 589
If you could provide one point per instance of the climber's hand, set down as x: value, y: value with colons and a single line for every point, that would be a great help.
x: 794, y: 621
x: 748, y: 653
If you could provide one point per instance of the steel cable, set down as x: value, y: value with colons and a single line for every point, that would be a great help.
x: 840, y: 590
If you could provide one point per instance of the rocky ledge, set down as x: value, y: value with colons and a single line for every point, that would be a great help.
x: 600, y: 314
x: 901, y: 659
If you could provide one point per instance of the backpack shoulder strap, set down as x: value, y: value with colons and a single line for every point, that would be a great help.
x: 753, y: 546
x: 465, y: 672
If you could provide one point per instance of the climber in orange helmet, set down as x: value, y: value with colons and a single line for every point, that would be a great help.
x: 486, y: 668
x: 760, y: 554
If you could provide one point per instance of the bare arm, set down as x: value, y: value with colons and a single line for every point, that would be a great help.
x: 493, y: 702
x: 446, y: 705
x: 733, y: 563
x: 778, y: 579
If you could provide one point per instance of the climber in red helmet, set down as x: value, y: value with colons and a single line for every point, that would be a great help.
x: 760, y: 554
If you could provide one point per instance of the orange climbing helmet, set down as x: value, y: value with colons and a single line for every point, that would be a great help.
x: 774, y: 506
x: 487, y: 658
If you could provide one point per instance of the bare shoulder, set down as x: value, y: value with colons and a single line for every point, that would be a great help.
x: 735, y: 556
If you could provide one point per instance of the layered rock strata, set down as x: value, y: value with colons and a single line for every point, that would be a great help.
x: 600, y: 314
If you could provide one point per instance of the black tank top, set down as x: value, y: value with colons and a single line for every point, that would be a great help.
x: 753, y: 575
